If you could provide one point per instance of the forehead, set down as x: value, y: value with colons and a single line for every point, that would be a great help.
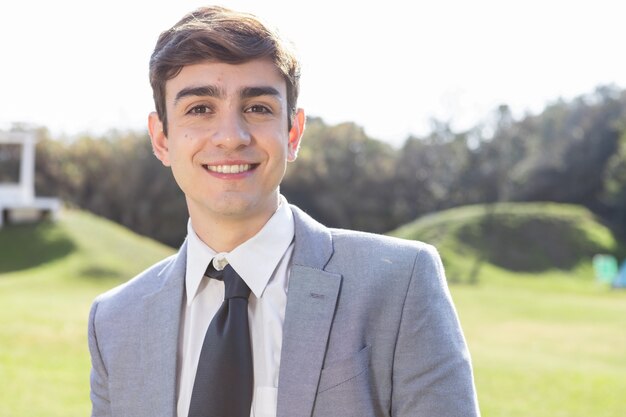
x: 229, y: 78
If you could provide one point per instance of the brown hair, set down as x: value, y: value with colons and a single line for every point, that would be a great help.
x: 221, y: 35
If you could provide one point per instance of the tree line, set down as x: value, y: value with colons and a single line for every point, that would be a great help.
x: 572, y: 152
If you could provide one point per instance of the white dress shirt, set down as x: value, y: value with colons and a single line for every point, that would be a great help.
x: 263, y: 262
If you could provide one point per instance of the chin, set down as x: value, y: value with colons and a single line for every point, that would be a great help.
x: 237, y: 207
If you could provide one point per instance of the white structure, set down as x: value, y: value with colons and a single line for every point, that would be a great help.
x: 18, y: 203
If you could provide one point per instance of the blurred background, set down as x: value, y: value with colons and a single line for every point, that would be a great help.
x: 494, y: 130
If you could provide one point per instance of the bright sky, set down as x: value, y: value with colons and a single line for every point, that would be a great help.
x: 390, y: 66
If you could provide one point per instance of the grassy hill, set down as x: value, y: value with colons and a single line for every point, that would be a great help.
x: 545, y: 341
x: 507, y: 239
x: 49, y: 274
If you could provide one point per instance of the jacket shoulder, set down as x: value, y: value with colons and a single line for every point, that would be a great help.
x: 364, y: 241
x: 368, y: 254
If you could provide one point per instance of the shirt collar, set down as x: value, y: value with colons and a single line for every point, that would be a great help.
x: 198, y: 257
x: 254, y: 260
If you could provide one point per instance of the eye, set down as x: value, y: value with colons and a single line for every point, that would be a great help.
x: 200, y: 109
x: 259, y: 108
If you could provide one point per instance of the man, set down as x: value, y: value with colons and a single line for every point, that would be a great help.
x: 339, y: 323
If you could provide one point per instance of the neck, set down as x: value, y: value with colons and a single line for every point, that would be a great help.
x: 225, y: 233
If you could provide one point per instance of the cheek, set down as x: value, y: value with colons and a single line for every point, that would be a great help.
x: 275, y: 141
x: 185, y: 146
x: 279, y: 152
x: 197, y: 131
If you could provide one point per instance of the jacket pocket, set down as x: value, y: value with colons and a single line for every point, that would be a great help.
x: 339, y: 372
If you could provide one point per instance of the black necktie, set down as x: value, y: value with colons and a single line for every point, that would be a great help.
x: 224, y: 379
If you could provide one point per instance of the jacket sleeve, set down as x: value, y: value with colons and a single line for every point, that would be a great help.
x: 432, y: 373
x: 101, y: 406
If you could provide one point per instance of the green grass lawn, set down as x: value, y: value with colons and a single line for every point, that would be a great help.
x: 546, y: 350
x: 544, y: 344
x: 44, y: 361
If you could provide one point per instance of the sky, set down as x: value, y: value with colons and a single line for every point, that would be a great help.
x: 390, y: 66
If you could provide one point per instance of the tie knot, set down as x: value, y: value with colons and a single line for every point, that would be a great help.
x: 234, y: 286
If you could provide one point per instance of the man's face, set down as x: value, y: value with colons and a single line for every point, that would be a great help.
x: 228, y: 143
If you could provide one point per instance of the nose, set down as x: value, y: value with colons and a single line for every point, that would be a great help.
x: 231, y: 132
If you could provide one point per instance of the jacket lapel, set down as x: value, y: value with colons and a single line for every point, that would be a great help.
x: 159, y: 337
x: 311, y: 302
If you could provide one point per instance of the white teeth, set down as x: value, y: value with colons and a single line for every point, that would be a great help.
x: 228, y: 169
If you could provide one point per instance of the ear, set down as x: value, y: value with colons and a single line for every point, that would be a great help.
x: 158, y: 139
x: 295, y: 135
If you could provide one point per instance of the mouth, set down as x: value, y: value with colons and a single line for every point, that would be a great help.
x: 230, y: 169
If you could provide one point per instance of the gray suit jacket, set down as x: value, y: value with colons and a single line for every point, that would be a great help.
x: 370, y: 330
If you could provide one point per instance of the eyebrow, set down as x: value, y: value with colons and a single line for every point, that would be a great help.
x: 205, y: 90
x: 214, y: 91
x: 251, y: 92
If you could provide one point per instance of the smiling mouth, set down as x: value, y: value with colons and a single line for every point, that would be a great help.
x: 230, y: 169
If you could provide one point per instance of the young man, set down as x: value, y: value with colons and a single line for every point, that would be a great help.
x: 336, y: 323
